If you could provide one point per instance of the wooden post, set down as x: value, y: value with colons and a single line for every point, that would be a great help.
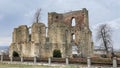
x: 114, y: 62
x: 11, y: 59
x: 49, y: 60
x: 35, y: 59
x: 21, y: 59
x: 89, y: 62
x: 1, y: 57
x: 67, y: 60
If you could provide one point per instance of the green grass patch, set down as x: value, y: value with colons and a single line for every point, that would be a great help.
x: 33, y: 66
x: 24, y: 66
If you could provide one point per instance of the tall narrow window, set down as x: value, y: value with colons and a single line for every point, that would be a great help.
x: 46, y: 31
x: 29, y: 37
x: 73, y: 22
x: 30, y: 30
x: 73, y: 37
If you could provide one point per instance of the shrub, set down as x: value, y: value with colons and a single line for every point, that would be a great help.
x: 103, y: 56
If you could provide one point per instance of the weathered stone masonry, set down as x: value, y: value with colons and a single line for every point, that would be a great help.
x: 59, y: 36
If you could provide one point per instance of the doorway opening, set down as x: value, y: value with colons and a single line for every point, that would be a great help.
x: 57, y: 54
x: 15, y: 54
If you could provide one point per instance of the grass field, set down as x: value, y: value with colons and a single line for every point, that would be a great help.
x: 32, y: 66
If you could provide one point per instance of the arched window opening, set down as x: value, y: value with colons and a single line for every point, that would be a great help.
x: 73, y: 22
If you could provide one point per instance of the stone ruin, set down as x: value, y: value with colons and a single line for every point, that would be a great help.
x: 60, y: 34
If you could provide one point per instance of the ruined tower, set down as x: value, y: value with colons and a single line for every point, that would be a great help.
x: 62, y: 35
x: 28, y: 44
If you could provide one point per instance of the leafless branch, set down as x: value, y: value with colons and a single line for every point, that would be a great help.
x: 37, y: 15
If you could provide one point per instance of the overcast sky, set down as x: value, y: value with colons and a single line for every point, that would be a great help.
x: 20, y: 12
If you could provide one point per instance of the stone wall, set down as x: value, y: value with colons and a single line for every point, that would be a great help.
x: 26, y: 44
x: 59, y: 37
x: 61, y: 32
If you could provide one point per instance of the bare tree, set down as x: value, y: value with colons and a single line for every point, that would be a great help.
x: 104, y: 34
x: 37, y: 15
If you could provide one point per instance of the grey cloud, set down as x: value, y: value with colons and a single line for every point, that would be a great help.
x: 17, y: 12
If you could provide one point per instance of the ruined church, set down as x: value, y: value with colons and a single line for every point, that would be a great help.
x: 41, y: 41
